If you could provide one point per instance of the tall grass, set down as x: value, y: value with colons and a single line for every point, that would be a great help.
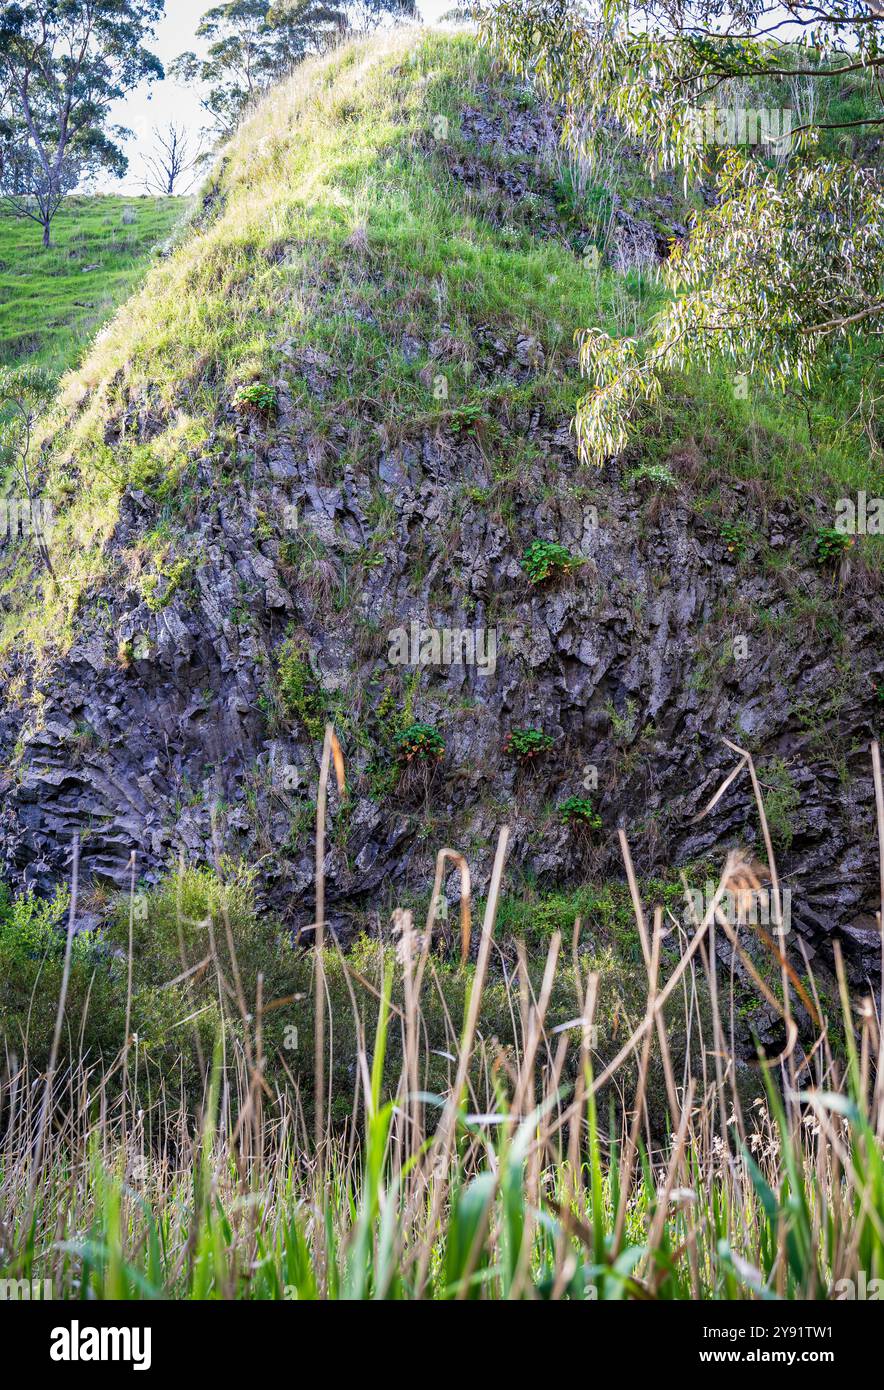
x: 534, y: 1175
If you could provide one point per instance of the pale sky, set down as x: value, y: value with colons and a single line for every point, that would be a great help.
x: 166, y: 101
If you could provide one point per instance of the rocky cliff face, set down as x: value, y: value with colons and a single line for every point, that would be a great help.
x: 694, y: 615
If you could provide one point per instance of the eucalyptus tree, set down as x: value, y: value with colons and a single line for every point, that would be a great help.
x: 785, y: 262
x: 63, y: 63
x: 250, y: 44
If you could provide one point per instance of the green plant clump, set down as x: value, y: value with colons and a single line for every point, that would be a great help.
x: 158, y: 590
x: 578, y: 811
x: 526, y: 744
x: 734, y: 535
x: 302, y: 698
x: 781, y: 800
x: 547, y: 560
x: 467, y: 418
x: 32, y: 952
x: 421, y: 741
x: 656, y: 473
x: 260, y: 399
x: 831, y: 544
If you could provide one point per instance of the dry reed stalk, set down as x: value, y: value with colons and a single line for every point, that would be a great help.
x: 575, y: 954
x: 127, y: 1027
x: 439, y: 1157
x: 763, y: 988
x: 37, y: 1159
x: 788, y: 1054
x: 411, y: 1037
x: 363, y: 1070
x: 330, y: 749
x: 879, y: 815
x: 746, y: 761
x: 246, y: 1122
x: 458, y: 860
x: 854, y: 1180
x: 710, y: 963
x: 650, y: 1020
x: 529, y: 1061
x: 524, y: 1011
x: 671, y: 1092
x: 179, y: 923
x: 631, y: 1148
x: 675, y: 1165
x: 526, y: 1085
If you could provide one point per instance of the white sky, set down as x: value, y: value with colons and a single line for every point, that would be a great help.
x: 166, y: 101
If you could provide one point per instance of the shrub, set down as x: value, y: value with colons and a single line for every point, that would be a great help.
x: 781, y: 800
x: 258, y: 399
x: 577, y: 811
x: 734, y: 535
x: 526, y: 744
x: 301, y: 697
x: 467, y: 419
x: 422, y: 741
x: 831, y: 544
x: 381, y: 729
x: 547, y: 560
x: 159, y: 589
x: 624, y: 726
x: 656, y: 473
x: 32, y: 948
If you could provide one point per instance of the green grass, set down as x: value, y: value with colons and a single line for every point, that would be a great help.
x: 519, y: 1127
x: 52, y: 303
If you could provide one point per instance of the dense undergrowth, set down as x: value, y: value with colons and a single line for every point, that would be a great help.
x: 521, y: 1126
x: 174, y: 1007
x: 535, y: 1162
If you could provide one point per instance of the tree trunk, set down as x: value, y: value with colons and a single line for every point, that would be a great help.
x: 46, y: 226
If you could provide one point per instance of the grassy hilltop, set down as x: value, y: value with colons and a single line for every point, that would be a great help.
x: 330, y: 224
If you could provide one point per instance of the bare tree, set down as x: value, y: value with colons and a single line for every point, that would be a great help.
x: 171, y: 168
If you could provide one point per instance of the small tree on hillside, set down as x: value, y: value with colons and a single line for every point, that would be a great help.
x: 365, y: 15
x: 28, y: 187
x: 62, y: 64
